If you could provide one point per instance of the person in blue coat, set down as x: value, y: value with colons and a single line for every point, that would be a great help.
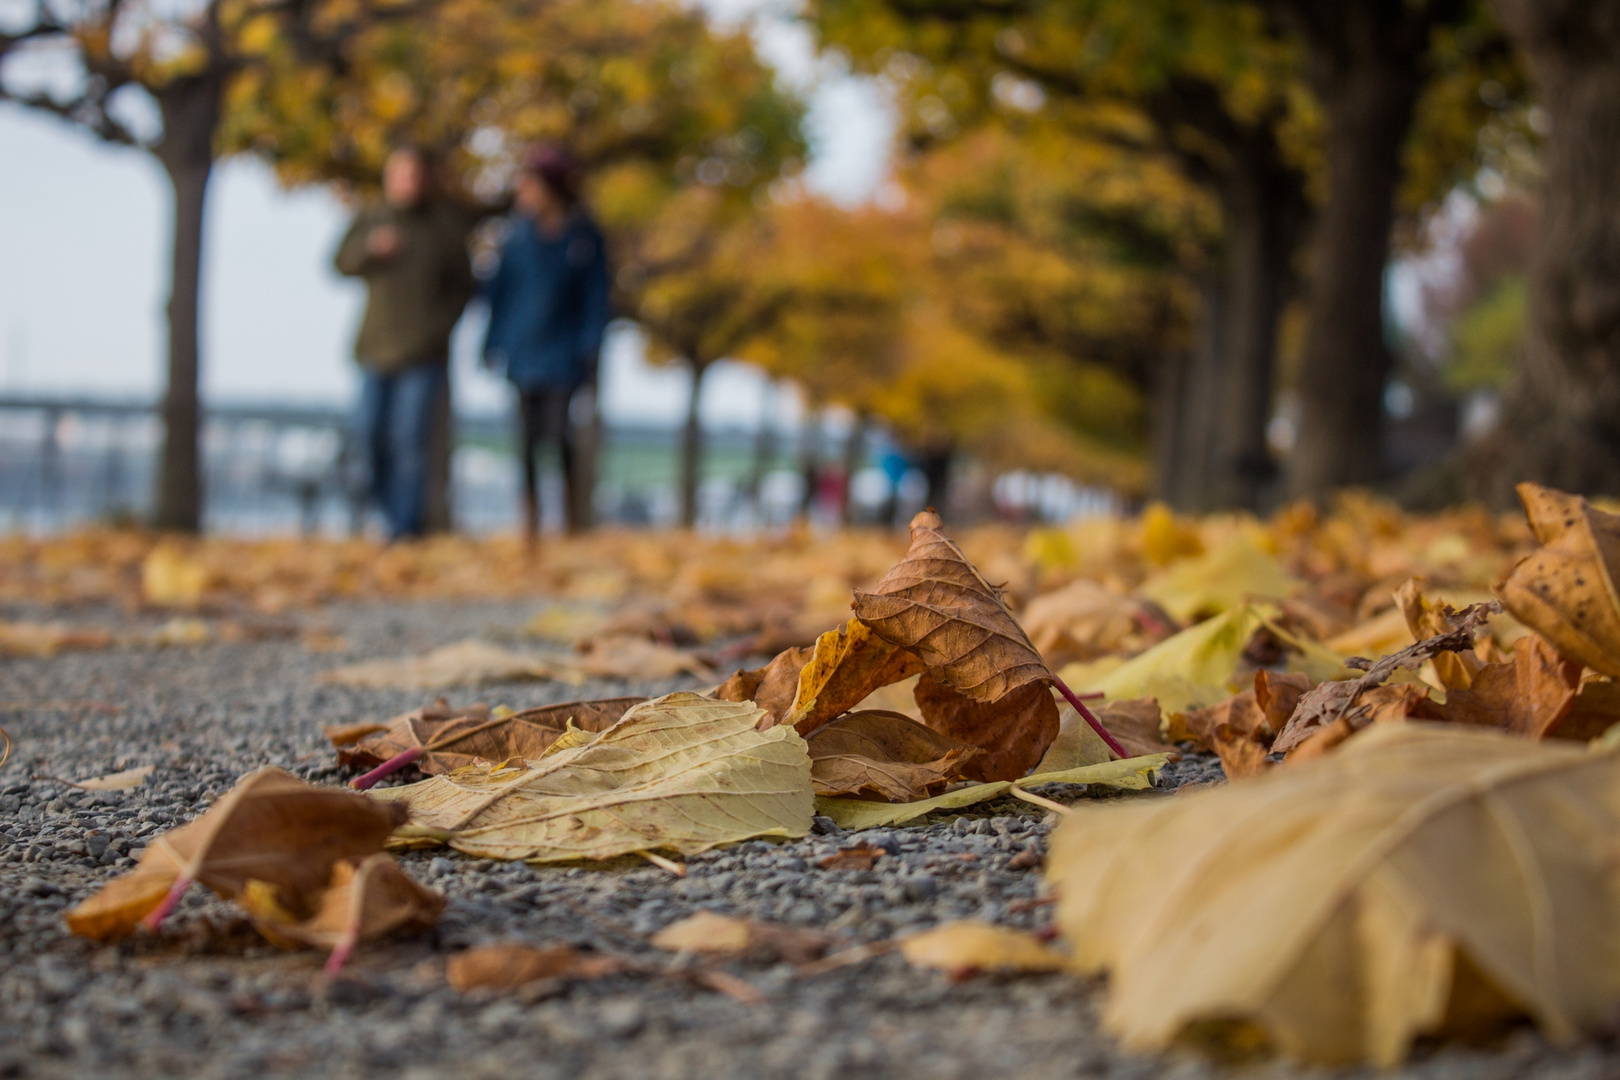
x: 548, y: 310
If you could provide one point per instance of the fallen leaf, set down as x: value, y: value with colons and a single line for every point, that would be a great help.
x: 1566, y: 590
x: 463, y: 663
x: 1241, y: 756
x: 1235, y: 573
x: 883, y: 756
x: 1427, y: 618
x: 1331, y: 701
x: 935, y: 604
x: 1423, y: 875
x: 449, y: 738
x: 1531, y: 695
x: 271, y: 827
x: 967, y: 946
x: 847, y: 665
x: 1077, y: 744
x: 1011, y: 734
x: 630, y: 657
x: 1392, y: 703
x: 1193, y: 668
x: 1595, y: 712
x: 1257, y: 714
x: 862, y: 856
x: 724, y: 935
x: 1084, y: 620
x: 771, y: 687
x: 1136, y: 725
x: 171, y: 577
x: 40, y: 639
x: 514, y: 964
x: 681, y: 772
x: 365, y: 899
x: 1132, y: 774
x: 118, y: 781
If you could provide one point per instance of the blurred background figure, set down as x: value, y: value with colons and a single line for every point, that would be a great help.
x: 548, y: 310
x: 411, y: 250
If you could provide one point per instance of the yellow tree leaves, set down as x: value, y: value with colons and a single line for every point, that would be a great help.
x: 1349, y: 906
x: 680, y: 773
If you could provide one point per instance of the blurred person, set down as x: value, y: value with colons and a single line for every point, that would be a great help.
x: 548, y: 311
x: 411, y: 251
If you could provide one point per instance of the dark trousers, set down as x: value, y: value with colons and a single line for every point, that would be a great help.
x: 396, y: 417
x: 543, y: 418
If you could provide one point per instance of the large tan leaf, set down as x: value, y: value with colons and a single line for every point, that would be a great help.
x: 448, y: 738
x: 937, y: 605
x: 1011, y: 733
x: 1566, y: 590
x: 883, y: 756
x: 681, y: 772
x: 848, y: 664
x: 1132, y: 774
x: 1348, y: 906
x: 271, y: 827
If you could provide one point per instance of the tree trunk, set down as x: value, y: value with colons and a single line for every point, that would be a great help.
x: 438, y: 503
x: 1562, y: 422
x: 764, y: 452
x: 692, y: 449
x: 190, y: 110
x: 1369, y: 103
x: 854, y: 457
x: 1264, y: 208
x: 1184, y: 417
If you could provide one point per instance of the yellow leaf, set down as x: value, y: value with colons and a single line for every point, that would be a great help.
x: 1219, y: 580
x: 1132, y: 774
x: 976, y: 946
x: 680, y: 772
x: 1350, y: 905
x: 171, y: 578
x: 1193, y: 668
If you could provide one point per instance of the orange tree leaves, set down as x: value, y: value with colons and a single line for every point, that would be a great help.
x: 1011, y: 733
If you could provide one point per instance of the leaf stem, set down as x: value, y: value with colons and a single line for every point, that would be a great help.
x: 155, y: 917
x: 387, y: 768
x: 1096, y: 725
x: 340, y: 953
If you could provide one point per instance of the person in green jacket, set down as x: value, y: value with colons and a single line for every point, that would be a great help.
x: 411, y: 251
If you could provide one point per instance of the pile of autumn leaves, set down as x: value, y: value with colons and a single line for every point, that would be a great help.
x: 1418, y: 845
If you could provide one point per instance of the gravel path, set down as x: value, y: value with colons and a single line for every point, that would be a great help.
x: 209, y: 999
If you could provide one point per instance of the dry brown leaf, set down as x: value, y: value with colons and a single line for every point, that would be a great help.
x: 448, y: 738
x: 1566, y: 590
x: 1241, y: 756
x: 626, y: 656
x: 1012, y: 734
x: 934, y: 603
x: 1422, y: 877
x: 964, y: 947
x: 1257, y: 714
x: 1531, y: 695
x: 272, y: 827
x: 514, y: 964
x: 1330, y: 701
x: 1076, y: 745
x: 848, y: 664
x: 862, y: 856
x: 708, y: 932
x: 1596, y: 710
x: 883, y: 756
x: 1085, y: 620
x: 365, y: 899
x: 1426, y: 619
x: 1136, y: 726
x: 1392, y: 703
x: 771, y: 687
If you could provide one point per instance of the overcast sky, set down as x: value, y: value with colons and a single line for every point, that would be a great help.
x: 84, y: 250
